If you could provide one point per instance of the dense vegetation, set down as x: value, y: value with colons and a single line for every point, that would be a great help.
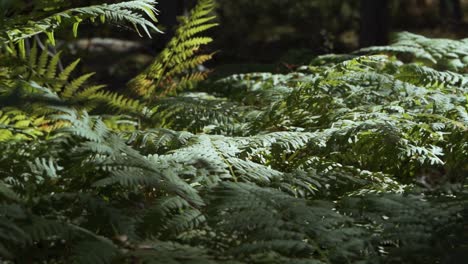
x: 356, y: 158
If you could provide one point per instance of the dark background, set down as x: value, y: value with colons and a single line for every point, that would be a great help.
x: 270, y: 30
x: 262, y: 34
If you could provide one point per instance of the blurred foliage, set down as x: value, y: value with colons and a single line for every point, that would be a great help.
x: 268, y: 28
x: 264, y: 31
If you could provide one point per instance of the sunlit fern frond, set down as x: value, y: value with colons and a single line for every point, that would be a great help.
x: 180, y: 57
x: 125, y: 12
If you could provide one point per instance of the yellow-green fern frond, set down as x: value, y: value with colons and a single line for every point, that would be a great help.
x: 18, y: 125
x: 176, y: 63
x: 118, y: 102
x: 43, y: 69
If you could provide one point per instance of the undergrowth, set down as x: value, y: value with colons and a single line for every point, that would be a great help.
x: 357, y: 158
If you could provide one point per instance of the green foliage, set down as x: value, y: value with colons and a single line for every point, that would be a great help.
x: 442, y: 54
x: 33, y: 80
x: 23, y: 27
x: 179, y: 59
x: 275, y: 26
x: 352, y: 159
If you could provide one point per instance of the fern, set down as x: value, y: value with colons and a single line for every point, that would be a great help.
x: 125, y: 12
x: 353, y: 159
x: 45, y: 87
x: 15, y: 124
x: 179, y: 57
x: 444, y: 54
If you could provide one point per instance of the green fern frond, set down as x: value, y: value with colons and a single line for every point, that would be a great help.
x: 74, y: 85
x: 444, y: 54
x: 425, y: 76
x: 93, y: 252
x: 160, y: 252
x: 43, y: 71
x: 83, y: 125
x: 118, y: 102
x: 171, y: 218
x: 178, y: 56
x: 125, y: 12
x: 52, y: 67
x: 16, y: 125
x: 65, y: 74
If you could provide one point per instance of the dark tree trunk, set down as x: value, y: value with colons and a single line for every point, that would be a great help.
x: 451, y: 11
x: 375, y: 22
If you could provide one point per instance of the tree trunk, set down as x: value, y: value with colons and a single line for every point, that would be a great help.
x: 375, y: 22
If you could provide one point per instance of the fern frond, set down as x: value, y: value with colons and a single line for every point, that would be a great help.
x: 425, y: 76
x: 125, y: 12
x: 443, y: 54
x: 65, y: 74
x: 74, y: 85
x: 178, y: 56
x: 52, y: 68
x: 93, y: 252
x: 117, y: 101
x: 160, y: 252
